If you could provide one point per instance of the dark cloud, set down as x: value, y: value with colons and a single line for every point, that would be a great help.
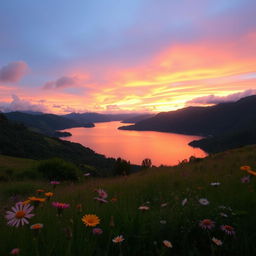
x: 13, y: 71
x: 62, y: 82
x: 212, y: 99
x: 18, y: 104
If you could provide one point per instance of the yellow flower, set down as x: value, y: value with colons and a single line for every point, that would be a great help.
x: 252, y: 172
x: 48, y: 194
x: 245, y: 168
x: 36, y: 199
x: 90, y: 220
x: 36, y: 226
x: 39, y: 191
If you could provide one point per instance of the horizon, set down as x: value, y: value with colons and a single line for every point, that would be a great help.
x: 126, y: 57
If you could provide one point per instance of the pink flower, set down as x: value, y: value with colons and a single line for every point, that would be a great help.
x: 101, y: 200
x: 97, y: 231
x: 15, y: 251
x: 207, y: 224
x: 55, y: 182
x: 19, y: 214
x: 229, y: 230
x: 60, y: 206
x: 102, y: 193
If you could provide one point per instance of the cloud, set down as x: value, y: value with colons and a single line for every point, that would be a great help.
x: 212, y: 99
x: 13, y: 71
x: 112, y: 108
x: 62, y: 82
x: 18, y: 104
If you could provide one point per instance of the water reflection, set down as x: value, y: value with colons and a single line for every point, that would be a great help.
x: 161, y: 148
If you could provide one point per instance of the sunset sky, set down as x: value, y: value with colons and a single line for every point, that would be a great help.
x: 64, y: 56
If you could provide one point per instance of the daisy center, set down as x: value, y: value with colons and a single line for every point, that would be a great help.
x: 20, y: 214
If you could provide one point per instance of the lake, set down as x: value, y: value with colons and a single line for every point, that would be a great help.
x: 160, y: 147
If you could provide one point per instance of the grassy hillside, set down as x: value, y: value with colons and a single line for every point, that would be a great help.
x: 163, y: 190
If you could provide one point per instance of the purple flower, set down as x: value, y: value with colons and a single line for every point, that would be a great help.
x: 97, y: 231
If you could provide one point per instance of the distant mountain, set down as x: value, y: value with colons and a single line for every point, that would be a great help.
x: 47, y: 124
x: 214, y: 120
x: 16, y: 140
x: 139, y: 118
x: 96, y: 117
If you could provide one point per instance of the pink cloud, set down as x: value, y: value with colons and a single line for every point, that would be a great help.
x: 213, y: 99
x: 18, y: 104
x: 62, y: 82
x: 13, y: 71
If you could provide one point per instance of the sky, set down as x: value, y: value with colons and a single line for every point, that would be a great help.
x: 126, y: 55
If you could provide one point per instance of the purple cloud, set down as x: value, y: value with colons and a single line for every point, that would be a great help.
x: 212, y: 99
x: 18, y: 104
x: 13, y: 71
x: 62, y: 82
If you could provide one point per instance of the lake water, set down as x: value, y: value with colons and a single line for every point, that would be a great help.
x: 160, y: 147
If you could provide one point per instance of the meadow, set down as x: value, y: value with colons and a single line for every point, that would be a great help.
x: 203, y: 207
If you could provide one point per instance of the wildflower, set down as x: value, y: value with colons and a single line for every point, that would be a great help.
x: 90, y: 220
x: 101, y: 200
x: 102, y: 193
x: 184, y: 201
x: 144, y: 208
x: 246, y: 179
x: 60, y: 207
x: 37, y: 226
x: 118, y: 239
x: 207, y: 224
x: 215, y: 184
x: 167, y: 244
x: 19, y: 215
x: 217, y: 241
x: 15, y: 251
x: 203, y: 201
x: 48, y: 195
x: 229, y: 230
x: 245, y: 168
x: 36, y: 200
x: 163, y: 222
x: 55, y: 182
x: 40, y: 191
x: 252, y: 172
x: 97, y: 231
x: 164, y: 204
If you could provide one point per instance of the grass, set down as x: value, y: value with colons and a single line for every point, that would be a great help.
x: 142, y: 230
